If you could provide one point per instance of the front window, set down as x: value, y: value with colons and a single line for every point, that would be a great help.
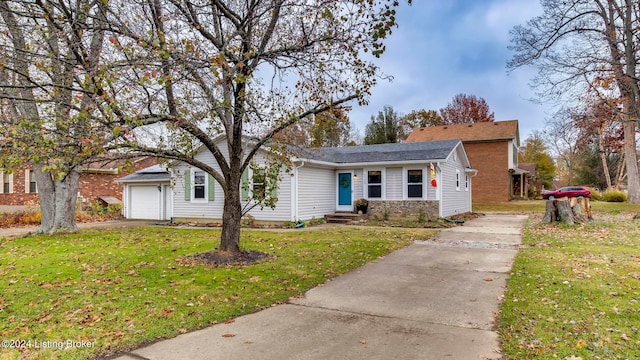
x: 458, y: 180
x: 466, y: 183
x: 199, y: 184
x: 374, y: 181
x: 32, y: 183
x: 259, y: 187
x: 6, y: 185
x: 414, y: 184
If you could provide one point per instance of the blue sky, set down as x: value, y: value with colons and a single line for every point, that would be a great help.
x: 446, y: 47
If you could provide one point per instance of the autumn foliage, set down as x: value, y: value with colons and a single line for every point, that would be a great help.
x: 466, y: 109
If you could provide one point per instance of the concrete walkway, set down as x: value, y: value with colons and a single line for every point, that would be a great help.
x: 435, y: 299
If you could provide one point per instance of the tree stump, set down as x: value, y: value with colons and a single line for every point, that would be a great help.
x: 568, y: 210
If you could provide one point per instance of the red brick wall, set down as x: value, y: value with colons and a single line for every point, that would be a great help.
x: 18, y: 197
x: 92, y: 185
x: 491, y: 161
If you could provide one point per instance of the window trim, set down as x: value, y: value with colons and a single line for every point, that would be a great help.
x: 466, y: 182
x: 457, y: 179
x: 407, y: 184
x: 381, y: 184
x: 205, y: 198
x: 30, y: 178
x: 253, y: 183
x: 8, y: 179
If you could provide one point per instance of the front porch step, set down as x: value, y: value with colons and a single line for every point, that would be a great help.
x: 342, y: 217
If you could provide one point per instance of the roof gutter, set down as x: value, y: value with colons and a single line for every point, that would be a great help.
x: 121, y: 181
x: 100, y: 171
x: 363, y: 164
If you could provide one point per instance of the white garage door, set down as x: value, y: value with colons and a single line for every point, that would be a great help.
x: 144, y: 202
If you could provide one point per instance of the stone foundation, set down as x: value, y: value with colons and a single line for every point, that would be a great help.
x: 403, y: 209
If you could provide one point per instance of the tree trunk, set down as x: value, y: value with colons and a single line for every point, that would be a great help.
x: 603, y: 159
x: 551, y: 212
x: 231, y: 216
x: 581, y: 208
x: 57, y: 201
x: 66, y: 195
x: 620, y: 172
x: 631, y: 161
x: 564, y: 212
x: 46, y: 197
x: 568, y: 210
x: 630, y: 92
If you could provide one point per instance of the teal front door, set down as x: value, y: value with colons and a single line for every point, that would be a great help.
x: 344, y: 189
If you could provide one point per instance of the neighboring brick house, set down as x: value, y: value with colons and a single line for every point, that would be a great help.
x: 96, y: 181
x: 492, y: 148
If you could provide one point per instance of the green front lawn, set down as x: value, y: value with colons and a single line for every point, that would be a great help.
x: 574, y: 292
x: 117, y: 290
x: 538, y: 206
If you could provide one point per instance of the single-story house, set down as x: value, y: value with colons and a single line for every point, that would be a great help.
x: 430, y: 179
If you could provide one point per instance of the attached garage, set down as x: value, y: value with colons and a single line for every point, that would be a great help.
x: 147, y: 194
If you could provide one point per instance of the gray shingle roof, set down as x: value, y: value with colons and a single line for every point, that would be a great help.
x: 150, y: 174
x: 428, y: 150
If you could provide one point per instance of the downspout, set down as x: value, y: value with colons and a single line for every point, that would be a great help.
x: 439, y: 188
x: 472, y: 173
x: 125, y: 201
x: 294, y: 193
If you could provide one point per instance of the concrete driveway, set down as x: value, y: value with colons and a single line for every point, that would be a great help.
x: 435, y: 299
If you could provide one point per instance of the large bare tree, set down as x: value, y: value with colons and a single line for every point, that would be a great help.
x: 585, y: 45
x: 50, y: 55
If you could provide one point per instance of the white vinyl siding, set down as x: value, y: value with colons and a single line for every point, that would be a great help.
x: 393, y: 183
x: 316, y: 192
x: 454, y: 200
x: 358, y: 184
x: 432, y: 191
x: 213, y: 209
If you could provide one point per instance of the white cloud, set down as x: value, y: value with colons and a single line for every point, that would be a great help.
x: 443, y: 48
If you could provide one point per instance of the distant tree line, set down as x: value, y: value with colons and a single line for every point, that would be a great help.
x: 390, y: 127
